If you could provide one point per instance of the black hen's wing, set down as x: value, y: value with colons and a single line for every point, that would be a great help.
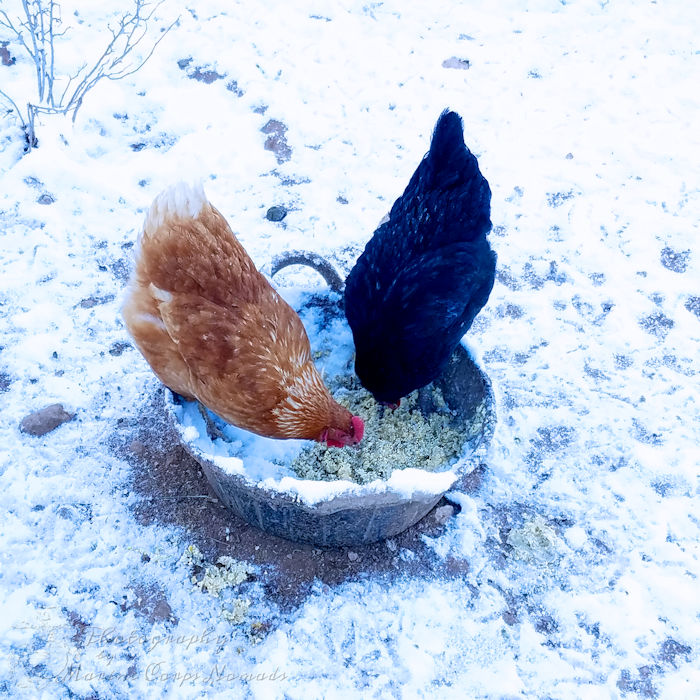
x: 404, y: 340
x: 425, y: 273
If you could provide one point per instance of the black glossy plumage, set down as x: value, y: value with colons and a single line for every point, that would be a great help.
x: 426, y: 272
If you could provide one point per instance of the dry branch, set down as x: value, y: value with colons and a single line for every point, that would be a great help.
x: 37, y: 32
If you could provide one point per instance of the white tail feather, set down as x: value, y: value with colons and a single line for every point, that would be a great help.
x: 183, y: 200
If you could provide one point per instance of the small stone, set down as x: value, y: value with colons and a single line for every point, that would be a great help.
x: 45, y: 420
x: 458, y: 63
x: 276, y: 213
x: 353, y: 556
x: 46, y: 198
x: 443, y: 514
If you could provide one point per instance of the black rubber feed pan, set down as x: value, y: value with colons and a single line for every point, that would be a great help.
x: 359, y: 514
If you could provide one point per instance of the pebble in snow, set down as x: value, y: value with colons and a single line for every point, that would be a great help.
x: 45, y: 420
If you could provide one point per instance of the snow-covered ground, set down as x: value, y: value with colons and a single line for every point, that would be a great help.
x: 579, y: 550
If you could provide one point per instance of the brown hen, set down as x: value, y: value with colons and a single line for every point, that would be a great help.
x: 212, y: 328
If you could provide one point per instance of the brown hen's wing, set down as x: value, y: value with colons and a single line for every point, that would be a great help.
x: 242, y: 359
x: 199, y: 256
x: 151, y: 336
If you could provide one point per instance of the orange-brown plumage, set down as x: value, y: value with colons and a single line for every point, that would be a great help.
x: 214, y: 329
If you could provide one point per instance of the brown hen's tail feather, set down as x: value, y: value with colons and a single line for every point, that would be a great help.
x: 180, y: 201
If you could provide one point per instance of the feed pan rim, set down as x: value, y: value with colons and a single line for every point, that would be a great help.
x: 348, y: 495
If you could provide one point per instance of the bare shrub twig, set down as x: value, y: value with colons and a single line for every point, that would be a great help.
x: 37, y: 32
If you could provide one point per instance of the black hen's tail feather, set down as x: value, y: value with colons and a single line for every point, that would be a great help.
x: 447, y: 198
x: 449, y: 161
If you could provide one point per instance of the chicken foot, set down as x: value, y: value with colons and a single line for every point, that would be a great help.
x: 213, y: 431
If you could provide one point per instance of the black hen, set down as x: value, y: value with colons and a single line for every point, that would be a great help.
x: 426, y: 273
